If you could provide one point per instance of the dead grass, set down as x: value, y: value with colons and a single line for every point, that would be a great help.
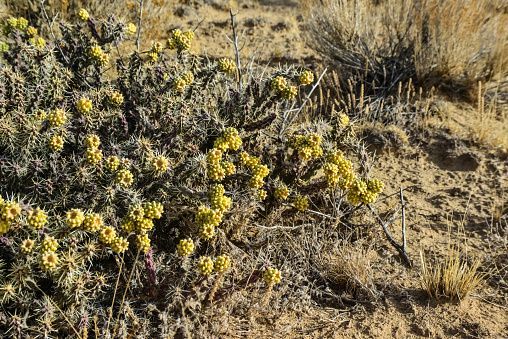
x: 454, y: 279
x: 446, y: 43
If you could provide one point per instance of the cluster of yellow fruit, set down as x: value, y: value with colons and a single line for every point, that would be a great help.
x: 180, y: 41
x: 206, y: 265
x: 281, y: 192
x: 301, y: 203
x: 37, y: 218
x: 153, y: 55
x: 48, y: 259
x: 272, y: 276
x: 364, y: 190
x: 185, y: 247
x: 140, y: 217
x: 9, y: 212
x: 280, y: 86
x: 116, y: 99
x: 84, y: 106
x: 130, y: 29
x: 57, y: 118
x: 218, y: 169
x: 308, y: 146
x: 226, y: 65
x: 306, y: 77
x: 339, y: 170
x: 93, y: 153
x: 98, y: 56
x: 259, y: 172
x: 184, y: 81
x: 56, y: 143
x: 83, y: 14
x: 160, y: 164
x: 16, y: 23
x: 207, y: 219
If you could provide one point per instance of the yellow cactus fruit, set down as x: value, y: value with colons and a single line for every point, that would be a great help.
x: 95, y: 52
x: 243, y: 158
x: 31, y: 31
x: 75, y: 218
x: 83, y: 14
x: 5, y: 225
x: 222, y: 263
x: 40, y: 114
x: 343, y: 120
x: 188, y: 77
x: 272, y: 276
x: 261, y: 195
x: 156, y: 47
x: 205, y: 265
x: 353, y: 197
x: 124, y: 178
x: 306, y: 77
x: 185, y: 247
x: 49, y: 244
x: 216, y: 190
x: 84, y: 106
x: 184, y: 43
x: 368, y: 197
x: 144, y: 225
x: 252, y: 162
x: 103, y: 60
x: 112, y: 163
x: 344, y: 184
x: 143, y: 242
x: 281, y: 192
x: 153, y: 210
x: 22, y: 24
x: 56, y: 143
x: 93, y: 222
x: 10, y: 210
x: 228, y: 167
x: 216, y: 172
x: 107, y: 235
x: 92, y: 141
x: 37, y: 218
x: 128, y: 224
x: 153, y: 56
x: 278, y: 84
x: 221, y: 143
x: 160, y: 164
x: 93, y: 155
x: 359, y: 187
x: 255, y: 182
x: 260, y: 171
x: 119, y: 245
x: 214, y: 156
x: 27, y: 246
x: 226, y: 65
x: 289, y: 92
x: 296, y: 141
x: 136, y: 212
x: 301, y: 203
x: 176, y: 33
x: 57, y: 118
x: 38, y: 43
x: 172, y: 43
x: 221, y: 203
x: 12, y: 23
x: 188, y: 34
x: 375, y: 185
x: 48, y: 261
x: 180, y: 84
x: 336, y: 157
x: 206, y: 231
x: 130, y: 29
x: 116, y: 99
x: 206, y: 216
x: 305, y: 153
x: 314, y: 139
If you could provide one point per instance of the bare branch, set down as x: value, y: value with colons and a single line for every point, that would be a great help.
x: 139, y: 22
x: 237, y: 50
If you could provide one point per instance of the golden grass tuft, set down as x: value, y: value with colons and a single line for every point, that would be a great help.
x: 454, y: 279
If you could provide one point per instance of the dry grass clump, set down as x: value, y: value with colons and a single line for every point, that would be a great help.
x: 447, y: 42
x: 455, y: 279
x: 352, y: 266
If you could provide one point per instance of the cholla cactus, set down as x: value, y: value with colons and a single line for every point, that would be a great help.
x: 37, y: 218
x: 48, y: 261
x: 205, y: 265
x: 226, y: 65
x: 130, y: 29
x: 306, y: 77
x: 84, y: 105
x: 83, y: 14
x: 301, y: 203
x: 27, y: 246
x: 271, y: 276
x: 75, y: 218
x: 185, y: 247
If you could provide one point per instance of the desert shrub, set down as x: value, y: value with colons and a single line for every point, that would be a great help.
x: 145, y: 174
x: 452, y: 44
